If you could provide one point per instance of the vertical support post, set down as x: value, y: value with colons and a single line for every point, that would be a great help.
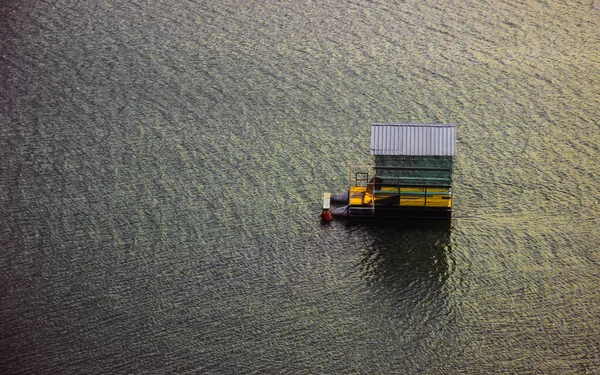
x: 400, y: 195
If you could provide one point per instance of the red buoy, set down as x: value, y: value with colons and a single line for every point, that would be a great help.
x: 326, y: 216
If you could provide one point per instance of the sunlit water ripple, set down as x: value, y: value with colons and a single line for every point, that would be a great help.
x: 161, y: 165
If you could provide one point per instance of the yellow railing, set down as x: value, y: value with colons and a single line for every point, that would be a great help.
x: 403, y: 196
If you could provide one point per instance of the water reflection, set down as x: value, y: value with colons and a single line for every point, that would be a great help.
x: 408, y: 263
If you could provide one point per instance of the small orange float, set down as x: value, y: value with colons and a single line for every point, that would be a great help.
x: 326, y: 216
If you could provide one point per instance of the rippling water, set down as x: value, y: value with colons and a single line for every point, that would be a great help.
x: 162, y: 162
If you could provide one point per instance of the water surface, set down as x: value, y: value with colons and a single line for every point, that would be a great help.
x: 162, y: 162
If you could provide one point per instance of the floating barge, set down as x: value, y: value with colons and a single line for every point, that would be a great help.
x: 410, y: 175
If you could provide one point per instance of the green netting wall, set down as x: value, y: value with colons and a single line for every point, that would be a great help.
x: 414, y: 176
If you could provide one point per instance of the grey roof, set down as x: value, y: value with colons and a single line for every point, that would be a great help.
x: 413, y: 139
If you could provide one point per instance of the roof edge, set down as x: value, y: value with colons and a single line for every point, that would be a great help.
x: 411, y: 124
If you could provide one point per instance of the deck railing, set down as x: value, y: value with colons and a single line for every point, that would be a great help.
x: 369, y: 189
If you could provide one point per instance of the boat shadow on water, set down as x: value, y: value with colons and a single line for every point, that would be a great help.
x: 406, y: 260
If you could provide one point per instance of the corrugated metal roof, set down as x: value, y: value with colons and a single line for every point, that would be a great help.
x: 413, y: 139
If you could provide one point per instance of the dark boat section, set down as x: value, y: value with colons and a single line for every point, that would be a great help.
x: 345, y: 210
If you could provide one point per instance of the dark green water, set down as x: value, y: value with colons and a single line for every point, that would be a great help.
x: 162, y: 163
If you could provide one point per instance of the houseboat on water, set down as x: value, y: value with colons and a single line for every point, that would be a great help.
x: 410, y: 175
